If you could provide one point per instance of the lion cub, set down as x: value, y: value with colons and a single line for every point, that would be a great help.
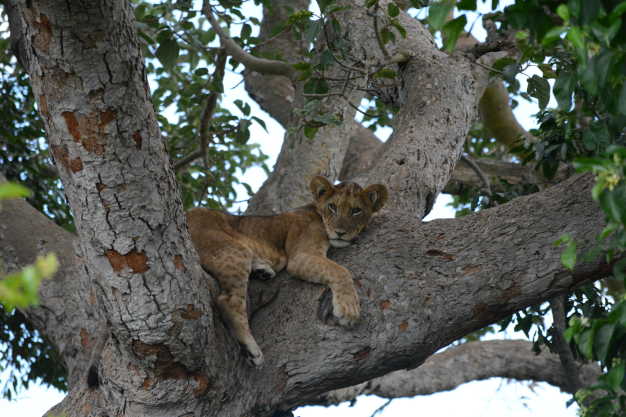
x: 231, y: 248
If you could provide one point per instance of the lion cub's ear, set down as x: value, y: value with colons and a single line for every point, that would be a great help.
x: 320, y: 186
x: 376, y: 194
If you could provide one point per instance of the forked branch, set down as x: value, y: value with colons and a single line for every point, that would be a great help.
x: 262, y: 65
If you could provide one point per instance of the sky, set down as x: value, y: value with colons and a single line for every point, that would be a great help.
x: 493, y: 397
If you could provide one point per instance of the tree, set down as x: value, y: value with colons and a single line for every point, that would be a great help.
x: 130, y: 311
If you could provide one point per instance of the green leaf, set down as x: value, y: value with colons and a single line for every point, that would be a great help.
x: 261, y: 122
x: 618, y: 11
x: 387, y: 36
x: 595, y: 74
x: 438, y: 12
x: 566, y: 238
x: 621, y: 102
x: 553, y: 35
x: 568, y: 256
x: 385, y: 73
x: 13, y: 190
x: 466, y: 5
x: 312, y: 30
x: 310, y: 131
x: 167, y: 52
x: 399, y: 27
x: 563, y: 90
x: 392, y: 9
x: 316, y: 86
x: 574, y: 7
x: 576, y: 37
x: 613, y: 202
x: 451, y: 31
x: 590, y: 9
x: 539, y: 88
x: 603, y: 33
x: 616, y: 376
x: 563, y: 12
x: 585, y: 343
x: 246, y: 31
x: 602, y: 340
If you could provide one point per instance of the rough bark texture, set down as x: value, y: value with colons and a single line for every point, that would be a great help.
x: 135, y: 274
x: 473, y: 361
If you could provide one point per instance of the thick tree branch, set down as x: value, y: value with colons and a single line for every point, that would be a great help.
x: 364, y: 147
x: 498, y: 117
x: 24, y: 234
x: 262, y: 65
x: 423, y: 286
x: 473, y: 361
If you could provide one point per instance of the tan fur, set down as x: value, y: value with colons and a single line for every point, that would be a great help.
x: 233, y: 247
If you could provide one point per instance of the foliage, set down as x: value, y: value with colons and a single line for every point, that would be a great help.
x: 602, y: 337
x: 181, y: 56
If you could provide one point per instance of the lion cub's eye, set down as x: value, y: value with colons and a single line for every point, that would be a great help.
x: 332, y: 208
x: 356, y: 211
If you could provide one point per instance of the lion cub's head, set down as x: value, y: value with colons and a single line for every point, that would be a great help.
x: 346, y: 208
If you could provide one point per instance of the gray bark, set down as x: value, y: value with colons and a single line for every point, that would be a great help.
x: 421, y: 286
x: 473, y: 361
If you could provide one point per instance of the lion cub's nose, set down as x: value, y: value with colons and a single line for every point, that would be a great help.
x: 340, y: 233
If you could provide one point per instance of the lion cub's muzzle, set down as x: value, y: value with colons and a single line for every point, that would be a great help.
x: 340, y: 239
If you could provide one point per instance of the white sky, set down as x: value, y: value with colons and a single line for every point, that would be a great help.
x: 493, y: 397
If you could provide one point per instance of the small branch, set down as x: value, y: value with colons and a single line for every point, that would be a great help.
x: 354, y: 106
x: 207, y: 114
x: 488, y: 68
x: 381, y: 45
x: 381, y: 408
x: 211, y: 103
x: 570, y: 366
x: 337, y: 60
x: 479, y: 172
x: 185, y: 160
x: 261, y: 65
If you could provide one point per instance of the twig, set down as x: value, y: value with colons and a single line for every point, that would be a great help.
x: 355, y: 107
x: 332, y: 54
x: 262, y: 65
x: 479, y: 172
x: 342, y: 95
x: 211, y: 103
x: 487, y: 67
x: 381, y: 45
x: 322, y: 95
x: 557, y: 305
x: 185, y: 160
x: 381, y: 408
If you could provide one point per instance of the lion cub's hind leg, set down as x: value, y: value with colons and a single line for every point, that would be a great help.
x: 231, y: 265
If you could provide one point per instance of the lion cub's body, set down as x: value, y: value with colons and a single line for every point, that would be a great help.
x: 231, y: 248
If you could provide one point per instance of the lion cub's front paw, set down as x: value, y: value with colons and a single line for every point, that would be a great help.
x: 253, y: 355
x: 346, y: 307
x: 261, y: 270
